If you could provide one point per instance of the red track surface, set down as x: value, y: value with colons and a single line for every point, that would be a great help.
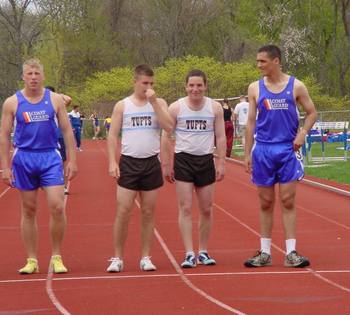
x: 323, y: 236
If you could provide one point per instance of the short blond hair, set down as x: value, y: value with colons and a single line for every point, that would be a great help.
x: 33, y: 63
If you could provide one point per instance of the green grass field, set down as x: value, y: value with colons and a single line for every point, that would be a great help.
x: 330, y: 149
x: 338, y: 171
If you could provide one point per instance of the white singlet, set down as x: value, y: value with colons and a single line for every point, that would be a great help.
x: 195, y: 129
x: 241, y: 110
x: 140, y: 130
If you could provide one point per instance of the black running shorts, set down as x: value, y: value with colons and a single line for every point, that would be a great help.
x: 197, y: 169
x: 140, y: 174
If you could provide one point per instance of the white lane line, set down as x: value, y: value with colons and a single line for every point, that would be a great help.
x: 52, y: 295
x: 176, y: 275
x: 297, y: 205
x: 327, y: 187
x: 184, y: 277
x: 5, y: 191
x: 324, y: 217
x: 49, y: 289
x: 313, y: 272
x: 189, y: 283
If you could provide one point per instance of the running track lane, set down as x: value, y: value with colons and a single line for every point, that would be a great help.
x: 323, y: 235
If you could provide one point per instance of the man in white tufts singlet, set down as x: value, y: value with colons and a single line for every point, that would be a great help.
x: 199, y: 120
x: 139, y: 117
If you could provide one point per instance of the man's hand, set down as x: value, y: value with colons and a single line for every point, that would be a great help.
x: 7, y: 177
x: 114, y: 170
x: 248, y: 164
x: 71, y: 170
x: 168, y: 173
x: 151, y: 95
x: 299, y: 139
x: 220, y: 170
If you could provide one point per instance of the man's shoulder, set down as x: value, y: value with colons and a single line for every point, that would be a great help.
x: 176, y: 103
x: 11, y: 101
x: 216, y: 105
x: 254, y: 84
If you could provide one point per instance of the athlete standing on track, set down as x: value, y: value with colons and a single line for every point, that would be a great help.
x: 36, y: 162
x: 140, y: 117
x: 275, y: 157
x: 199, y: 120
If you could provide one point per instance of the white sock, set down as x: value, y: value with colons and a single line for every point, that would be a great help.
x: 202, y: 251
x: 190, y: 253
x: 290, y: 245
x: 265, y: 244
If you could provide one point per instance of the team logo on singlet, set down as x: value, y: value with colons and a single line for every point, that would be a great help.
x: 196, y: 124
x: 275, y: 103
x: 35, y: 116
x: 141, y: 121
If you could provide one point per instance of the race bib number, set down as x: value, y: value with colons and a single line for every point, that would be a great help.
x: 299, y: 154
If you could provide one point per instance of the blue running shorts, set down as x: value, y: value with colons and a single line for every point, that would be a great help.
x: 276, y: 163
x: 40, y: 168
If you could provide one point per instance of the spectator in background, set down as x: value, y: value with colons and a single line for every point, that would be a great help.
x: 228, y: 126
x: 107, y: 124
x: 96, y: 125
x: 240, y: 115
x: 75, y: 120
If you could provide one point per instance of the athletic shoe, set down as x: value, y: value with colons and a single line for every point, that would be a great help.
x: 260, y: 259
x: 116, y: 265
x: 30, y: 267
x: 66, y: 192
x: 57, y: 264
x: 189, y: 262
x: 205, y: 259
x: 293, y: 259
x: 146, y: 264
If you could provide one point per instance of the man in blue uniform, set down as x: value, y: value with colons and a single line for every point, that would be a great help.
x: 36, y: 163
x: 275, y: 158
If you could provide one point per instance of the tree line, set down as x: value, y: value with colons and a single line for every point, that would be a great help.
x: 83, y: 41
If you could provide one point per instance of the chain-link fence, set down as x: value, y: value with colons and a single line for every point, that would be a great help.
x: 329, y: 140
x: 325, y: 147
x: 341, y: 115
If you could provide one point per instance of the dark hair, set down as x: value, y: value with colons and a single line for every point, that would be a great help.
x: 51, y: 88
x: 143, y: 70
x: 196, y: 73
x: 75, y: 106
x: 272, y: 51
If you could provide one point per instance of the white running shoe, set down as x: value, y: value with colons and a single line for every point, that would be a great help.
x: 116, y: 265
x: 146, y: 264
